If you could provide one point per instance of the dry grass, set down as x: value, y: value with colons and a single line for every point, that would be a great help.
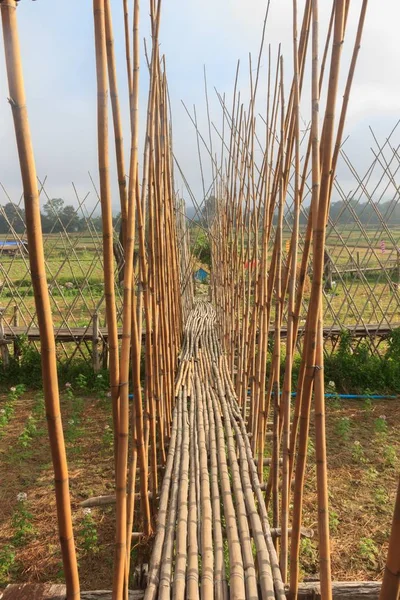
x: 363, y: 468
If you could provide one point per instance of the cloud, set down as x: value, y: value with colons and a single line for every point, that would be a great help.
x: 59, y: 65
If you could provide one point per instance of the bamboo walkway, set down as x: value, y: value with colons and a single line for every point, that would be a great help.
x: 213, y: 536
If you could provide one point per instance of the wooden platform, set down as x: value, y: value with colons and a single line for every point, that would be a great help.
x: 347, y: 590
x: 56, y: 591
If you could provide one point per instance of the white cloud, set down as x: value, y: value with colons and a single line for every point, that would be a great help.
x: 58, y: 56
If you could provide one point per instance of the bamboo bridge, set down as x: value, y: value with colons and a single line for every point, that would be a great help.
x: 209, y: 450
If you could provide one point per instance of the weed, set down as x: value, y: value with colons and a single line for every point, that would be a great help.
x: 88, y: 532
x: 380, y: 497
x: 380, y: 425
x: 100, y: 383
x: 29, y: 432
x: 82, y: 381
x: 343, y: 428
x: 7, y: 562
x: 69, y: 392
x: 226, y: 560
x: 357, y: 453
x: 372, y: 474
x: 368, y: 404
x: 357, y: 370
x: 16, y: 391
x: 108, y: 437
x: 390, y: 456
x: 309, y: 555
x: 7, y: 410
x: 333, y: 521
x: 22, y: 522
x: 334, y: 403
x: 368, y: 550
x: 39, y: 410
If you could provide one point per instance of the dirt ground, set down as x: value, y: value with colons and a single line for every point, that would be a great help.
x: 363, y: 457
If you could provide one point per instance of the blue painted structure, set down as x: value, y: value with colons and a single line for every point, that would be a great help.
x: 201, y: 274
x: 11, y: 247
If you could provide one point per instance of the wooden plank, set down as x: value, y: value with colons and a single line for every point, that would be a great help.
x: 33, y: 591
x: 54, y: 591
x: 342, y: 590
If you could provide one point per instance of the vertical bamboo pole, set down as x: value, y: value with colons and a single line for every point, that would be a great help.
x: 42, y: 301
x: 321, y: 156
x: 292, y: 268
x: 119, y: 148
x: 106, y: 209
x: 391, y: 577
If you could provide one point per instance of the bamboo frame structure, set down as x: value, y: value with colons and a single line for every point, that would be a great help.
x: 209, y: 413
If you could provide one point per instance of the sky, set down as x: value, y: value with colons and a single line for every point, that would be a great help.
x: 57, y: 47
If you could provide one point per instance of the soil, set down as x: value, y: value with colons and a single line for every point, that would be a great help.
x: 363, y: 466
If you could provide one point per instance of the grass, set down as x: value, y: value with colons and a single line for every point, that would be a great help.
x: 363, y: 479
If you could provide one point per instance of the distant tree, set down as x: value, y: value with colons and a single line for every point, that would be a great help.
x: 14, y: 218
x: 70, y: 219
x: 202, y: 248
x: 51, y: 215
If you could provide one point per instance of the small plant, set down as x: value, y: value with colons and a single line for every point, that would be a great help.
x: 343, y: 428
x: 22, y: 521
x: 39, y: 407
x: 7, y: 562
x: 88, y: 532
x: 335, y: 402
x: 100, y: 383
x: 368, y: 550
x: 372, y: 474
x: 381, y: 425
x: 29, y: 432
x: 72, y: 431
x: 5, y: 414
x: 69, y: 392
x: 16, y: 391
x: 357, y: 453
x: 82, y: 381
x: 380, y: 497
x: 333, y: 521
x: 308, y: 553
x: 7, y: 410
x: 390, y: 456
x: 368, y: 404
x: 108, y: 437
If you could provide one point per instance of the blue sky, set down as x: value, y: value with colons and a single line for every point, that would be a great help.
x: 58, y: 57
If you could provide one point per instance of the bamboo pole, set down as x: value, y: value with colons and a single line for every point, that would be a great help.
x: 391, y: 577
x: 319, y: 210
x: 42, y: 302
x: 292, y: 271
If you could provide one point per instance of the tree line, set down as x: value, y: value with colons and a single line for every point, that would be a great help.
x: 341, y: 212
x: 56, y: 216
